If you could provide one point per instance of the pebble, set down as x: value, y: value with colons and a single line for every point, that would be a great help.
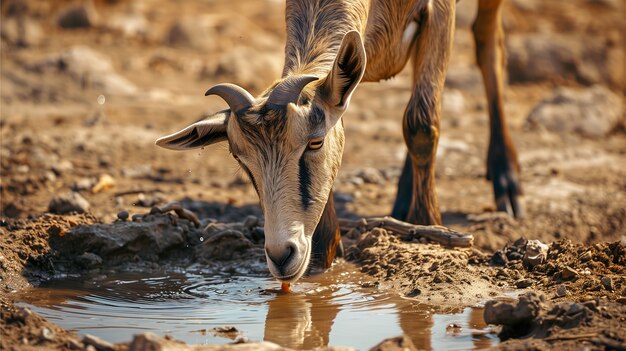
x: 68, y: 202
x: 536, y: 253
x: 46, y: 334
x: 78, y: 16
x: 370, y: 175
x: 498, y: 259
x: 607, y: 282
x: 561, y: 291
x: 23, y: 314
x: 98, y: 343
x: 104, y: 183
x: 568, y: 273
x: 251, y: 222
x: 523, y: 283
x: 122, y: 215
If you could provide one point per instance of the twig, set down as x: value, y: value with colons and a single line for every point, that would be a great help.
x: 571, y: 337
x: 179, y: 210
x: 408, y: 231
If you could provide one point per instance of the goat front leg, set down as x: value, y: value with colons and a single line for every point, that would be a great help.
x: 422, y: 115
x: 502, y: 166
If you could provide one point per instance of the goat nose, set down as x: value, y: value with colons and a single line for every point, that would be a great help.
x: 281, y: 258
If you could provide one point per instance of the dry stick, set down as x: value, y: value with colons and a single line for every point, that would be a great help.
x: 436, y: 233
x: 179, y: 210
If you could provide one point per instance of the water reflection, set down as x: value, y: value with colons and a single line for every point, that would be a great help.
x: 329, y: 309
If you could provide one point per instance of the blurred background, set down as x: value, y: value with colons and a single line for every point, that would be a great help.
x: 88, y: 86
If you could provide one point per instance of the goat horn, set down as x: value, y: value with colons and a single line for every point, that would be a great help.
x: 289, y: 90
x: 237, y: 98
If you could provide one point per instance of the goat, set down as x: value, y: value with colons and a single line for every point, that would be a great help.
x: 290, y: 139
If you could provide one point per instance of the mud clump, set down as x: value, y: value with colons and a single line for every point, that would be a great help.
x: 568, y: 270
x: 557, y: 325
x: 423, y: 271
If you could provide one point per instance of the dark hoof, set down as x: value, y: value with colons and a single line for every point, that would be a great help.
x: 507, y: 190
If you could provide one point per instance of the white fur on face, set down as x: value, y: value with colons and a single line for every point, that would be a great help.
x: 276, y: 171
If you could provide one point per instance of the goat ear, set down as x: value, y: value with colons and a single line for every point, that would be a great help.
x: 205, y: 132
x: 346, y: 73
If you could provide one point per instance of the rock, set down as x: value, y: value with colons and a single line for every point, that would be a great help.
x: 546, y: 56
x: 607, y: 282
x: 88, y: 68
x: 46, y: 334
x: 561, y: 291
x: 536, y: 253
x: 89, y: 260
x: 129, y: 24
x: 399, y: 343
x: 592, y: 112
x: 224, y: 246
x: 83, y: 184
x: 194, y: 32
x: 21, y: 31
x: 105, y: 182
x: 68, y: 202
x: 370, y: 175
x: 83, y: 15
x: 524, y: 311
x: 568, y: 273
x: 152, y: 342
x: 498, y: 259
x: 123, y: 215
x: 23, y: 314
x: 99, y: 344
x: 523, y: 283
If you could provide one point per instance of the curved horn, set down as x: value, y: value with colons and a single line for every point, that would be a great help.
x: 235, y: 96
x: 289, y: 90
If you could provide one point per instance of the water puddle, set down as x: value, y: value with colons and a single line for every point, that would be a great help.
x: 328, y: 309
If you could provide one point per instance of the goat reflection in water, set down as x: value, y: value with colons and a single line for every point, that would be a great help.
x: 305, y: 321
x: 115, y: 308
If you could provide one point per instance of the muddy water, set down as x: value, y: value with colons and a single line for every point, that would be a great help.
x: 337, y: 308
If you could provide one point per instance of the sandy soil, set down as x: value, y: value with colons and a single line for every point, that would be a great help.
x: 81, y: 108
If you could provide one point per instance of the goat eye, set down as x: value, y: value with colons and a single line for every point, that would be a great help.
x: 315, y: 144
x: 236, y: 157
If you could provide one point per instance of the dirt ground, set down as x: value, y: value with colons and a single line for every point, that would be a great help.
x: 84, y: 95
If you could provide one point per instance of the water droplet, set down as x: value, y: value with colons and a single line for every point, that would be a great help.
x: 189, y: 171
x: 201, y: 238
x: 101, y: 99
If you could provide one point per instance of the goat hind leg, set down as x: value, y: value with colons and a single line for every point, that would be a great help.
x: 502, y: 165
x: 421, y: 118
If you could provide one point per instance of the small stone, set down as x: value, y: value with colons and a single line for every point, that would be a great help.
x: 104, y: 183
x: 46, y: 334
x: 23, y: 314
x: 82, y: 15
x: 536, y: 253
x: 561, y: 291
x: 122, y: 215
x: 498, y: 259
x: 621, y: 300
x: 568, y: 273
x: 523, y: 283
x: 585, y: 257
x: 395, y: 344
x: 74, y: 345
x: 607, y: 282
x: 370, y: 175
x: 97, y: 343
x: 67, y: 203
